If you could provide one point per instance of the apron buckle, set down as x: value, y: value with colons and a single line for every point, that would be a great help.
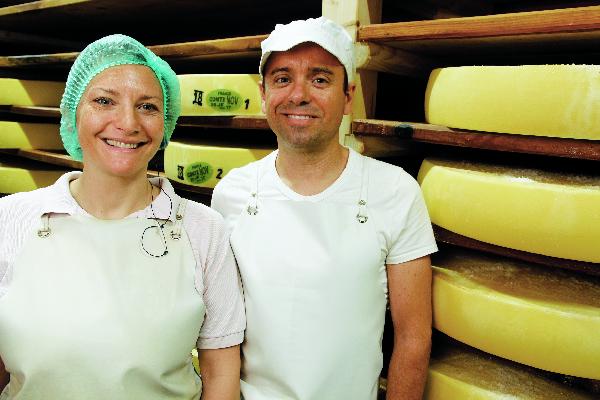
x: 44, y: 232
x: 252, y: 210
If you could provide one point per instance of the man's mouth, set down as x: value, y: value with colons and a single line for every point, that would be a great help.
x: 122, y: 145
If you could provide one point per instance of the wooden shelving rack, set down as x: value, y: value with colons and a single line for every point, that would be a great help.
x: 42, y: 39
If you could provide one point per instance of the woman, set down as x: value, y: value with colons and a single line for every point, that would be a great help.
x: 109, y: 279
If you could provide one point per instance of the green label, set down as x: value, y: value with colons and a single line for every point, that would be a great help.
x: 198, y: 172
x: 224, y: 100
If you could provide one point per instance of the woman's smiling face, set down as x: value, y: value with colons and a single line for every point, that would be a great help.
x: 120, y: 120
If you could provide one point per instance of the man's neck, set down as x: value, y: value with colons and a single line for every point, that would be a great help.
x: 311, y: 172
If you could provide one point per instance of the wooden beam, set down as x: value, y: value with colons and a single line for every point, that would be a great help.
x: 567, y: 20
x: 381, y: 58
x: 35, y: 111
x: 37, y: 5
x: 244, y: 46
x: 235, y: 122
x: 446, y: 236
x: 426, y: 133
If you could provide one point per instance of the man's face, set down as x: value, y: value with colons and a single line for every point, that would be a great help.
x: 303, y: 97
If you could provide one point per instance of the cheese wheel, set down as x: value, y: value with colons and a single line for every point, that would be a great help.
x: 461, y: 373
x: 198, y: 164
x: 220, y: 94
x: 530, y: 210
x: 541, y: 100
x: 20, y: 177
x: 18, y: 92
x: 548, y: 319
x: 24, y: 135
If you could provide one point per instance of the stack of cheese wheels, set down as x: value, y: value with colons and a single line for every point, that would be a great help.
x: 29, y: 135
x: 462, y: 373
x: 23, y: 177
x: 18, y: 92
x: 203, y: 164
x: 552, y: 214
x: 541, y: 100
x: 220, y: 94
x: 544, y: 318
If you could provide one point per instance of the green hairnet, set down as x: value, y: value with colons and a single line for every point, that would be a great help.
x: 108, y: 52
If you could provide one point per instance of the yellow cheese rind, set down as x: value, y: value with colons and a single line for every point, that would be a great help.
x: 546, y: 319
x: 15, y: 179
x: 24, y: 135
x: 18, y: 92
x: 464, y: 374
x: 540, y: 100
x: 220, y: 94
x: 554, y: 215
x: 198, y: 164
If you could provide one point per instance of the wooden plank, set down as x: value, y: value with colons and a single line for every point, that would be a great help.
x: 446, y: 236
x: 236, y: 122
x: 564, y: 21
x: 64, y: 160
x: 381, y: 58
x: 558, y: 147
x: 48, y: 157
x: 35, y: 111
x: 239, y: 47
x: 38, y: 5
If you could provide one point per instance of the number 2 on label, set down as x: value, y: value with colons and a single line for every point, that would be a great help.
x: 219, y: 173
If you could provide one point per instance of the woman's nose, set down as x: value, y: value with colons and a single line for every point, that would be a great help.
x: 127, y: 120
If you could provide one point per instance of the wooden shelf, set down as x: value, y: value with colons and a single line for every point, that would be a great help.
x: 446, y: 236
x: 235, y: 122
x: 238, y: 47
x: 63, y: 160
x: 568, y: 28
x: 426, y: 133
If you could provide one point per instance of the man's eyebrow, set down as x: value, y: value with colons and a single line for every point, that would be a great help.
x: 322, y: 70
x: 280, y: 69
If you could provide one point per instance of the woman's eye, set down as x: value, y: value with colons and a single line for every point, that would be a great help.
x: 149, y: 107
x: 102, y: 101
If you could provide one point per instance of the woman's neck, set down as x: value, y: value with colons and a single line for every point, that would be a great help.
x: 110, y: 197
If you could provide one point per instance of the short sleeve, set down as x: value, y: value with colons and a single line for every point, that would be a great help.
x: 415, y: 239
x: 217, y: 279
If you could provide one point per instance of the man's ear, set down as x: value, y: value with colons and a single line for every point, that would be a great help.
x: 263, y: 105
x: 349, y: 98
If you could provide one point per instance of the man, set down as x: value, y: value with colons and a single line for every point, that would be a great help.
x: 320, y: 233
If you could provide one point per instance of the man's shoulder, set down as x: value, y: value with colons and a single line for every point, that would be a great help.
x: 389, y: 178
x: 236, y: 186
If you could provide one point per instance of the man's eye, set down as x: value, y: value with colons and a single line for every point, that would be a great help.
x: 282, y: 79
x: 320, y: 81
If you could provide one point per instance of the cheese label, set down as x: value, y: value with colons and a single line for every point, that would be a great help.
x: 198, y: 172
x: 224, y: 100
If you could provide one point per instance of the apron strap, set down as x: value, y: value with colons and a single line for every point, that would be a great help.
x: 252, y: 208
x: 361, y: 216
x: 45, y: 230
x: 177, y: 226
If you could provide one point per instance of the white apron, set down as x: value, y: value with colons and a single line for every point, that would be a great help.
x: 315, y: 303
x: 90, y: 315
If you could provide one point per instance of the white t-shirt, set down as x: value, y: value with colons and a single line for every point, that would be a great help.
x: 394, y: 201
x: 216, y: 276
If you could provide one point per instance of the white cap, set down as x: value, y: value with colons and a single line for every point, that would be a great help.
x: 322, y: 31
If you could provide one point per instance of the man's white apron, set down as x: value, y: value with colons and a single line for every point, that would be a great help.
x: 90, y: 315
x: 314, y: 297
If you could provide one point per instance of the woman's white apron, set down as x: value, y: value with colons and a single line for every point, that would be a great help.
x: 314, y: 297
x: 90, y: 315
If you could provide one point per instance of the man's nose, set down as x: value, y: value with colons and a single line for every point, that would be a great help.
x: 300, y: 93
